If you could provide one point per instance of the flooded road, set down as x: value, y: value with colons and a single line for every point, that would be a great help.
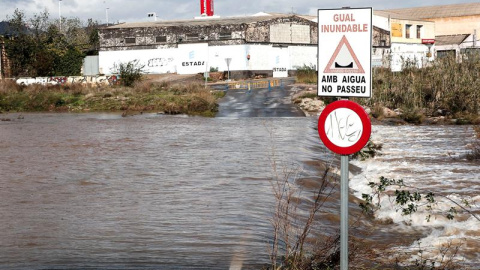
x: 101, y: 191
x: 259, y: 103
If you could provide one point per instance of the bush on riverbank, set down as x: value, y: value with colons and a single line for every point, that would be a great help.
x: 191, y: 99
x: 447, y: 87
x: 306, y: 74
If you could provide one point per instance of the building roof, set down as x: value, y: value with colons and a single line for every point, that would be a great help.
x: 442, y: 11
x: 202, y: 22
x: 450, y: 39
x: 394, y: 15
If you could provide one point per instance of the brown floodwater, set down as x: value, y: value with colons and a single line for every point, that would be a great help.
x: 101, y: 191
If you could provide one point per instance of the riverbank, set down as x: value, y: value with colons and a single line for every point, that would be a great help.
x: 305, y: 96
x: 148, y: 96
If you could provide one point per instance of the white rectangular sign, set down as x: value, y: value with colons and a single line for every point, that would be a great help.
x: 345, y: 52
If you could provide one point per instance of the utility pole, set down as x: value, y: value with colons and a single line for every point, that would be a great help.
x: 474, y: 37
x: 106, y: 14
x: 60, y: 14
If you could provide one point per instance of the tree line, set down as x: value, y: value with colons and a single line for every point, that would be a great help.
x: 41, y: 46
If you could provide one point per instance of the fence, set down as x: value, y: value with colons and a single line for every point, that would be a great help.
x: 249, y: 85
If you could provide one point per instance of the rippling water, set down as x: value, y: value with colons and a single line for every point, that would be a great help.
x: 99, y: 190
x: 164, y: 192
x: 430, y: 159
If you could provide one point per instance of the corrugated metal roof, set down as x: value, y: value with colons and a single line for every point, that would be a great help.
x: 450, y: 39
x: 442, y: 11
x: 200, y: 22
x: 395, y: 15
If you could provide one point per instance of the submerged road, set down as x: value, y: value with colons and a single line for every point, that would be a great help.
x: 259, y: 103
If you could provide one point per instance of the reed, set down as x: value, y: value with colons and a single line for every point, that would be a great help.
x: 447, y: 85
x: 307, y: 74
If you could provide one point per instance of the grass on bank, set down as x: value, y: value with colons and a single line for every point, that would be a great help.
x: 446, y: 87
x: 192, y: 99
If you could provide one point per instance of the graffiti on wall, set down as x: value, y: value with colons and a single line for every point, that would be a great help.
x: 159, y: 62
x: 90, y: 80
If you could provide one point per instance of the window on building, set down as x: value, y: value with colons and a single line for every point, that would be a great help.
x: 130, y: 40
x: 225, y: 36
x: 419, y: 31
x: 407, y: 30
x: 383, y: 43
x: 192, y: 37
x: 160, y: 39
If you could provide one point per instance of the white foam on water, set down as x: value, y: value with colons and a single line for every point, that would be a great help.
x: 428, y: 159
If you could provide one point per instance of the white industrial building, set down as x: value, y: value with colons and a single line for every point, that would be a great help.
x: 276, y: 45
x: 271, y: 45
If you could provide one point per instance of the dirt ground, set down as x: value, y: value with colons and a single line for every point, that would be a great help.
x: 175, y: 78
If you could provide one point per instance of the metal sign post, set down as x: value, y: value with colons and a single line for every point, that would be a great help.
x: 228, y: 60
x: 344, y: 127
x: 344, y: 212
x: 344, y: 70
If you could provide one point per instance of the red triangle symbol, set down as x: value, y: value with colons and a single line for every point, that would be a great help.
x: 340, y: 65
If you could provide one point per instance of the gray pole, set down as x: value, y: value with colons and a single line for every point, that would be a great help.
x: 474, y: 37
x: 344, y: 213
x: 60, y: 15
x: 106, y: 14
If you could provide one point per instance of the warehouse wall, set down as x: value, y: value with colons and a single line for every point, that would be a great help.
x: 199, y: 57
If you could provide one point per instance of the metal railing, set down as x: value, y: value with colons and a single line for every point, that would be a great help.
x: 251, y: 85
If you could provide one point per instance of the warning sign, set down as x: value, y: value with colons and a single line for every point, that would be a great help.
x: 344, y: 60
x: 344, y: 52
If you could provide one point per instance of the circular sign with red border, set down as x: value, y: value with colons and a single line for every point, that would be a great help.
x: 344, y: 127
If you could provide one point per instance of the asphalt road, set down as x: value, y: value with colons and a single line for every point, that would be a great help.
x: 259, y: 103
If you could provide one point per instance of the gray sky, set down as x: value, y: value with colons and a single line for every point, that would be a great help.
x: 136, y: 10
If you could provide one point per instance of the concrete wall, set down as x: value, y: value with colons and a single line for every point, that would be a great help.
x: 199, y: 57
x: 290, y: 33
x: 381, y: 22
x: 406, y: 52
x: 286, y: 30
x: 156, y: 61
x: 456, y: 25
x: 300, y: 56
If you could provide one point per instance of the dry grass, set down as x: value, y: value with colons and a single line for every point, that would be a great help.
x: 144, y: 96
x: 445, y: 85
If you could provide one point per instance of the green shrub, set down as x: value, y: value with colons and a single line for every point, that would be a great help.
x: 130, y: 72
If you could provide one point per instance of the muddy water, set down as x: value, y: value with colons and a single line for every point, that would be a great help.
x: 99, y: 190
x: 96, y: 191
x: 429, y: 159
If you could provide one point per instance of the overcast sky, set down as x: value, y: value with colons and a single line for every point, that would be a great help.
x: 136, y: 10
